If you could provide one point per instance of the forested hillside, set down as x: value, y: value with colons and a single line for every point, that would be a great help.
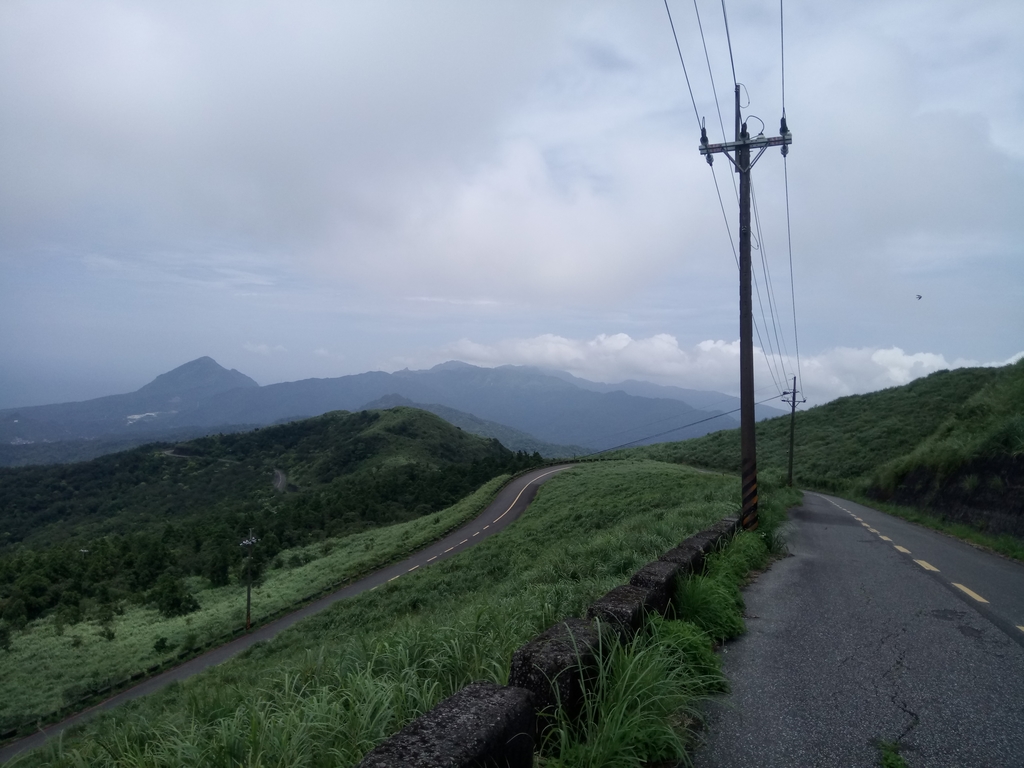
x: 79, y: 540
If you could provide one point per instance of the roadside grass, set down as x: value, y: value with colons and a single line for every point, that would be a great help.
x: 49, y: 666
x: 643, y: 708
x: 335, y: 685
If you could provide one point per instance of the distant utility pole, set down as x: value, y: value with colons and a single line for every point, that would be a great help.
x: 248, y: 578
x: 742, y: 162
x: 792, y: 424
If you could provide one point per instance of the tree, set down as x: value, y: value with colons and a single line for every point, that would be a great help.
x: 171, y: 597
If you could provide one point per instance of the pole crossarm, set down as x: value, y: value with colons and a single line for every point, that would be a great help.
x: 757, y: 142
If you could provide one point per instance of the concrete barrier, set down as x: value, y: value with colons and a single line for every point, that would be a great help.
x: 623, y: 610
x: 482, y: 725
x: 491, y: 725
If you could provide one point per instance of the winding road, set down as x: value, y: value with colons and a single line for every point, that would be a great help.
x: 507, y: 506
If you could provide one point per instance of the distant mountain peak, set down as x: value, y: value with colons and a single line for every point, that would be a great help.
x: 203, y: 373
x: 452, y: 365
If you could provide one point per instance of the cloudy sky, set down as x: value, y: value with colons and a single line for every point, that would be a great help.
x: 318, y: 188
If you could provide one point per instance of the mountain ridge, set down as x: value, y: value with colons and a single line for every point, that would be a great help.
x: 561, y: 410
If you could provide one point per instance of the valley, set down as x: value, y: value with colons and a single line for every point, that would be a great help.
x: 337, y: 496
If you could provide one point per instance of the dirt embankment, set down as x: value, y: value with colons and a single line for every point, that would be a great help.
x: 986, y: 493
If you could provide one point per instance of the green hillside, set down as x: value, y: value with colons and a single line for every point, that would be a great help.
x: 329, y: 689
x: 79, y: 540
x: 952, y: 442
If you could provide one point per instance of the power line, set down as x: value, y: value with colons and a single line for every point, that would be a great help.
x: 707, y: 58
x: 769, y: 286
x: 792, y: 288
x: 680, y: 52
x: 782, y: 48
x: 728, y: 39
x: 670, y: 431
x: 736, y: 258
x: 785, y: 171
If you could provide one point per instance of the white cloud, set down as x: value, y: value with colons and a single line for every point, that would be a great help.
x: 711, y: 364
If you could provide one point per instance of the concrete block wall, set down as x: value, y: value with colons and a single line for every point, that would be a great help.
x: 496, y: 726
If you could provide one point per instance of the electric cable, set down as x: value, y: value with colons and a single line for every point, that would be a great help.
x: 792, y: 285
x: 728, y: 39
x: 785, y: 171
x: 769, y: 287
x: 674, y: 429
x: 680, y: 52
x: 782, y: 48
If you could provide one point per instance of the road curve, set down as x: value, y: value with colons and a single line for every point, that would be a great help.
x: 507, y: 506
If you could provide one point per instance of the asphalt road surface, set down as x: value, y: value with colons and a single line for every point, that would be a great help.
x: 507, y: 506
x: 874, y: 630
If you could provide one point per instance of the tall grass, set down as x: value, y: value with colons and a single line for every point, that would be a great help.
x: 642, y: 708
x: 329, y: 689
x: 49, y: 666
x: 841, y: 442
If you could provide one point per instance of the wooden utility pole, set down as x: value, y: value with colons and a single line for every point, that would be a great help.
x: 248, y: 578
x: 792, y: 425
x: 743, y: 163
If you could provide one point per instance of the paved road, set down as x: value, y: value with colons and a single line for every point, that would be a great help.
x: 507, y: 506
x: 874, y: 630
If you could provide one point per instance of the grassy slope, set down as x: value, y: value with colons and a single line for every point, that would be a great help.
x: 842, y: 441
x: 326, y: 691
x: 946, y: 451
x: 47, y: 669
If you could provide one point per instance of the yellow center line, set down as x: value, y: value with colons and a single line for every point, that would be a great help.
x: 967, y: 591
x: 413, y: 568
x: 904, y: 550
x: 927, y: 566
x: 538, y: 477
x: 884, y: 538
x: 432, y: 558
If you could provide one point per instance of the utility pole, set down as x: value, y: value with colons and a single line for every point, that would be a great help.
x: 743, y: 163
x: 792, y: 424
x: 248, y: 578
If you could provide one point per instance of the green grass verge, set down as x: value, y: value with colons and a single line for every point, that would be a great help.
x: 643, y: 706
x: 49, y: 667
x: 329, y: 689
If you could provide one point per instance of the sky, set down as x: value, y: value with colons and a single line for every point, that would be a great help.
x: 314, y: 189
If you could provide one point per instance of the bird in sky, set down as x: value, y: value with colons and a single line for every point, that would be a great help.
x: 919, y: 297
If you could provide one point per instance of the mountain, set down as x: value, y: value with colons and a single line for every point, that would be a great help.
x: 702, y: 399
x: 547, y: 407
x: 512, y: 439
x: 165, y: 403
x: 550, y: 408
